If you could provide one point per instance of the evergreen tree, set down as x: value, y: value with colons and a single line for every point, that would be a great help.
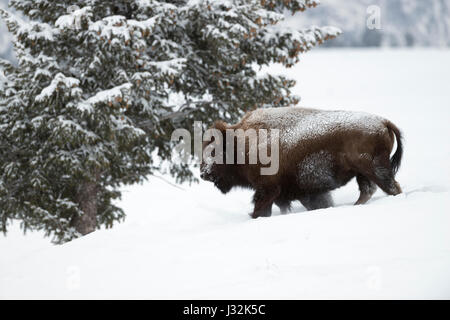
x: 89, y: 105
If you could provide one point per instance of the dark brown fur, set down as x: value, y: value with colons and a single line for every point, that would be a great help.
x: 348, y: 153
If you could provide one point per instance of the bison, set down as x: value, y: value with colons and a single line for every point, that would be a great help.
x: 319, y: 151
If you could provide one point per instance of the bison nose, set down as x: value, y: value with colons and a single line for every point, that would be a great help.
x: 205, y: 176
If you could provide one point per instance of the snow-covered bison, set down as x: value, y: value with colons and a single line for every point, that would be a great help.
x: 319, y: 151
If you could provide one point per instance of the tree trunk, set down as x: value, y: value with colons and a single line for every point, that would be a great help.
x: 87, y: 200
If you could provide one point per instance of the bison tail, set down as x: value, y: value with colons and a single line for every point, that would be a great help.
x: 396, y: 159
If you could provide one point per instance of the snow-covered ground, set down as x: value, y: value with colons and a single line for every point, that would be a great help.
x: 193, y: 242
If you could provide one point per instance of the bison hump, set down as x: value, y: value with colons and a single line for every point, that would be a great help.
x: 301, y: 124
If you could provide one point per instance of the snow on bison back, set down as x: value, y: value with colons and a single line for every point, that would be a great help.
x: 319, y: 151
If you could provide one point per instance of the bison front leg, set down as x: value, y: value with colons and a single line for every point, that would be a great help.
x: 317, y: 201
x: 284, y: 205
x: 263, y: 200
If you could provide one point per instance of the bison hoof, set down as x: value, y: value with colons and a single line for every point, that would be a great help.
x: 253, y: 215
x: 256, y: 215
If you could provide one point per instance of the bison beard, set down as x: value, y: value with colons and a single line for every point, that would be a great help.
x: 319, y: 151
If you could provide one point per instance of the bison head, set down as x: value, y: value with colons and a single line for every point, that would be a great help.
x: 213, y: 167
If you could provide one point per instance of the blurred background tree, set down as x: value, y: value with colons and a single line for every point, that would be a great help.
x: 404, y: 23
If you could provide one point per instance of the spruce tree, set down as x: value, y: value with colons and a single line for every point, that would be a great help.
x: 90, y: 104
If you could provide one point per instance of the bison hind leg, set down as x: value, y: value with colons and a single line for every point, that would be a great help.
x: 379, y: 171
x: 383, y: 175
x: 384, y: 178
x: 317, y: 201
x: 367, y: 189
